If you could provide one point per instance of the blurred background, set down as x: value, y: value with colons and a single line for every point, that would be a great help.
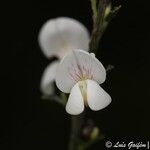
x: 30, y: 122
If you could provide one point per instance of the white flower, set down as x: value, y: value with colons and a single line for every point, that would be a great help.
x: 56, y: 38
x: 59, y: 36
x: 80, y: 73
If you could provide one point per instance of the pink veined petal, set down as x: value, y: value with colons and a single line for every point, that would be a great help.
x: 76, y: 66
x: 75, y: 104
x: 97, y: 98
x: 61, y: 35
x: 48, y: 78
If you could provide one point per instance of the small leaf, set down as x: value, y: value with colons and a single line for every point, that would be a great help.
x: 112, y: 13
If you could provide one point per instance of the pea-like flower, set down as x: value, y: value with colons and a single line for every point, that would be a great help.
x: 57, y: 37
x: 80, y: 73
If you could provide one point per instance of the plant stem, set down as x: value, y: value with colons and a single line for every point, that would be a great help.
x: 98, y: 28
x: 76, y: 126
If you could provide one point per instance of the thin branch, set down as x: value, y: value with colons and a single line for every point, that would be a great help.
x: 101, y: 21
x: 76, y: 126
x: 94, y: 9
x: 98, y: 27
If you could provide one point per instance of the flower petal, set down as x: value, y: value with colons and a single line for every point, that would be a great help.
x: 61, y: 35
x: 76, y: 66
x: 97, y: 98
x: 75, y: 104
x: 48, y: 78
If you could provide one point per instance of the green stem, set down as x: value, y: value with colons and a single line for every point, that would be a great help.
x: 94, y: 9
x: 100, y: 21
x: 77, y: 122
x: 98, y: 29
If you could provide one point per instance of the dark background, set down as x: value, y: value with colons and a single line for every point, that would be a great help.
x: 27, y: 121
